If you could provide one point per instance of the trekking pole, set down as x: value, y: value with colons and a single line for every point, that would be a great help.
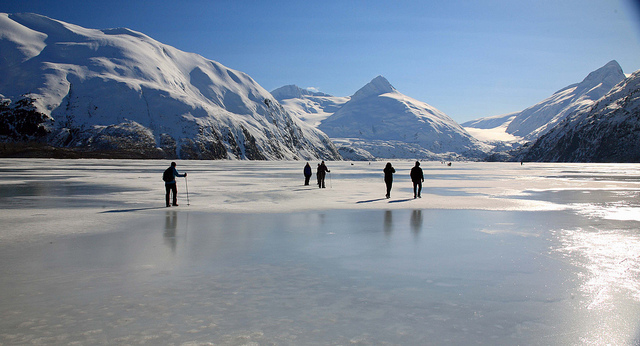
x: 187, y: 185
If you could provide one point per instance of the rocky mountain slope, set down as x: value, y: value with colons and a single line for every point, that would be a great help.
x: 536, y: 120
x: 608, y: 131
x: 120, y: 92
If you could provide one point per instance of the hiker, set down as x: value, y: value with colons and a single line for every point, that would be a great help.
x: 307, y: 173
x: 388, y: 177
x: 169, y: 178
x: 321, y: 173
x: 417, y: 177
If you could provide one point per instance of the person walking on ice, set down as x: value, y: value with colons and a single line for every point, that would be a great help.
x: 169, y: 177
x: 322, y: 173
x: 417, y: 177
x: 388, y: 177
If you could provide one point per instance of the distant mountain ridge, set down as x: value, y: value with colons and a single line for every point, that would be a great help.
x: 372, y: 124
x: 536, y: 120
x: 294, y: 91
x: 609, y: 131
x: 310, y: 107
x: 378, y: 119
x: 491, y: 122
x: 119, y: 91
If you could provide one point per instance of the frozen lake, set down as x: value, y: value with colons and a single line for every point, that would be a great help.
x: 494, y: 254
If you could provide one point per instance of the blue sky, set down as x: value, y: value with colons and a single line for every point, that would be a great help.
x: 470, y: 59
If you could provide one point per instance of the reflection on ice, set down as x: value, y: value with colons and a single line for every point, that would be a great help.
x: 611, y: 259
x: 170, y: 228
x: 416, y: 221
x: 331, y: 277
x: 612, y: 212
x: 621, y: 205
x: 609, y: 277
x: 612, y: 204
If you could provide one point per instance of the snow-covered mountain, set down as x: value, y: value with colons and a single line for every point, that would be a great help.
x: 378, y: 118
x: 311, y: 107
x: 609, y: 131
x: 536, y: 120
x: 120, y: 91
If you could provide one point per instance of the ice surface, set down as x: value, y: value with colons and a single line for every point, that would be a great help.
x: 495, y: 254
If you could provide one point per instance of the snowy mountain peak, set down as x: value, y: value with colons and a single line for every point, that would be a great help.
x: 293, y: 91
x: 605, y: 132
x: 611, y: 70
x: 56, y: 31
x: 121, y: 92
x: 376, y: 87
x: 536, y: 120
x: 386, y: 123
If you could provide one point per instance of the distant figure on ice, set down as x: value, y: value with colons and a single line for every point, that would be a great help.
x: 169, y: 177
x: 388, y: 177
x: 417, y: 177
x: 321, y: 173
x: 307, y: 173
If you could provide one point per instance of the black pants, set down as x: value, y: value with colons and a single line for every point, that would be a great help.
x: 306, y: 179
x: 321, y: 179
x: 418, y: 185
x: 388, y: 183
x: 171, y: 188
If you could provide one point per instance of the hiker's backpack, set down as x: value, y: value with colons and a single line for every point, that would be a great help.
x: 167, y: 176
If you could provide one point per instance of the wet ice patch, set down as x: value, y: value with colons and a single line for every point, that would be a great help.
x: 508, y: 231
x: 622, y: 205
x: 621, y: 213
x: 611, y: 263
x: 610, y: 203
x: 605, y: 284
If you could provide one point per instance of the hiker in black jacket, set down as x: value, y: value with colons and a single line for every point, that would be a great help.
x: 417, y: 177
x: 170, y: 186
x: 388, y: 177
x: 322, y: 173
